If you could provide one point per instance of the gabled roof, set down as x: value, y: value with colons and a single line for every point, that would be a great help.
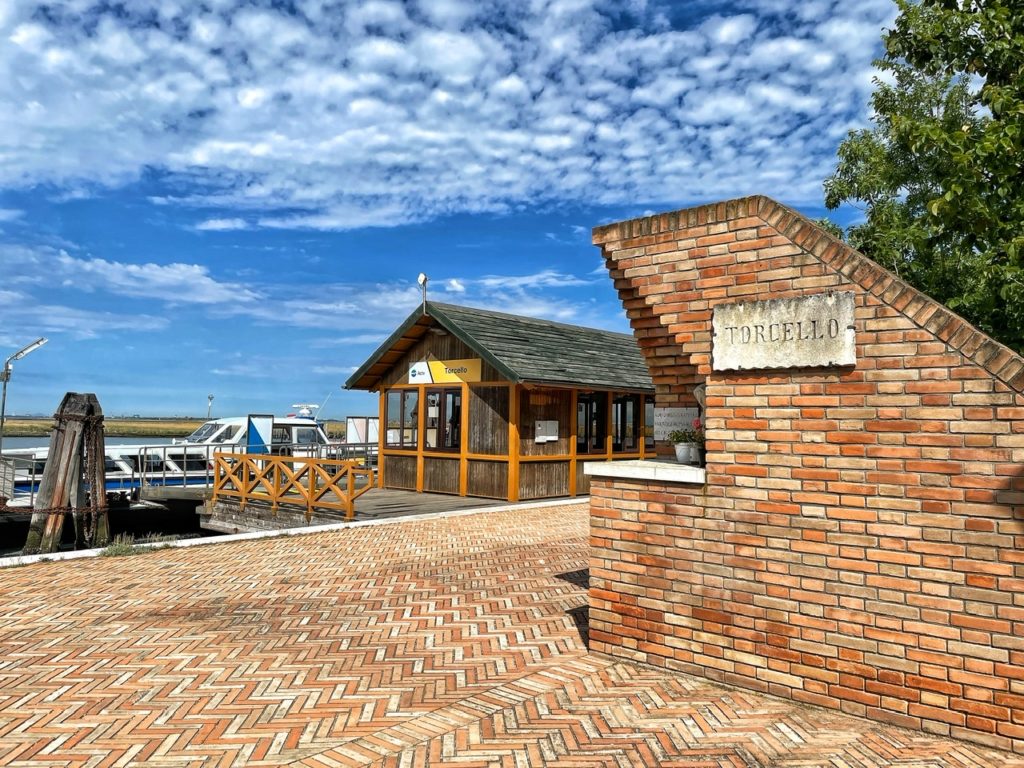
x: 521, y: 349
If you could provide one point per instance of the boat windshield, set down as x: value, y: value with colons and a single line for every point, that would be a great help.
x: 228, y: 435
x: 204, y: 433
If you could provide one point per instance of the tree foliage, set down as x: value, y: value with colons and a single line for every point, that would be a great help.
x: 940, y: 175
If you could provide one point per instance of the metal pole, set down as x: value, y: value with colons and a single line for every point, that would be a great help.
x: 5, y: 376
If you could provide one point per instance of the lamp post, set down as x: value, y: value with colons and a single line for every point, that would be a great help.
x: 209, y: 406
x: 423, y: 280
x: 5, y: 376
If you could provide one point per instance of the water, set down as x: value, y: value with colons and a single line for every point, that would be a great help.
x: 42, y: 442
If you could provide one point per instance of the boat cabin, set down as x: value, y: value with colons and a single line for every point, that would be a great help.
x: 287, y: 432
x: 480, y: 403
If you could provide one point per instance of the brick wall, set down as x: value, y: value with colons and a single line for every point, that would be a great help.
x: 859, y: 543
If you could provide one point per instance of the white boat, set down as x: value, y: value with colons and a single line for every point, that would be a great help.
x: 189, y: 460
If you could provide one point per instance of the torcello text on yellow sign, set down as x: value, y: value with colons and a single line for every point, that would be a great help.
x: 444, y: 371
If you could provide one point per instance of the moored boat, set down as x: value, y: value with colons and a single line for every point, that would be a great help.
x: 189, y: 460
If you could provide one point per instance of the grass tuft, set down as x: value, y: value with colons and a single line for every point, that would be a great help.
x: 123, y: 545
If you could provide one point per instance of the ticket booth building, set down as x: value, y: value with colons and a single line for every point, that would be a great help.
x: 481, y: 403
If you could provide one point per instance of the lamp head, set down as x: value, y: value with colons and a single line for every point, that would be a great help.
x: 422, y: 279
x: 27, y: 350
x: 30, y: 348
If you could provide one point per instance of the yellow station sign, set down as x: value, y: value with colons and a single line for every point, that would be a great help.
x: 444, y: 371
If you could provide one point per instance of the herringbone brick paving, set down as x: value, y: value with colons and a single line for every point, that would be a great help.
x: 429, y: 642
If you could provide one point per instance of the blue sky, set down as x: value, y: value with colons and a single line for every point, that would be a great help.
x: 236, y: 198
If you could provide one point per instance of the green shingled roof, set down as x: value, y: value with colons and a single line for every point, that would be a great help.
x: 523, y: 349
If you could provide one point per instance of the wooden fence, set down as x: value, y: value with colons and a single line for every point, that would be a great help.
x: 314, y: 483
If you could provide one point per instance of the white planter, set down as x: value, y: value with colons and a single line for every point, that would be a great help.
x: 687, y: 453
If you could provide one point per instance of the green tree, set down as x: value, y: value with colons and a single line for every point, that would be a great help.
x: 940, y: 176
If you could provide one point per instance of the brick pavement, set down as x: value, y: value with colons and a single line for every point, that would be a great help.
x: 429, y: 642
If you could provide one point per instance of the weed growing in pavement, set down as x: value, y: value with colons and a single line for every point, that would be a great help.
x: 122, y: 546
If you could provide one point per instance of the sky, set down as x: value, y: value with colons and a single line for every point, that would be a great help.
x: 236, y: 198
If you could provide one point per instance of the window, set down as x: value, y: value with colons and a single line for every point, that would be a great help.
x: 188, y: 462
x: 591, y: 422
x: 307, y: 436
x: 626, y: 424
x: 147, y: 462
x: 204, y: 433
x: 228, y: 435
x: 444, y: 420
x: 401, y: 416
x: 649, y: 423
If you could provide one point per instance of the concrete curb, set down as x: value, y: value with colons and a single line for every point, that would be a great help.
x: 18, y: 560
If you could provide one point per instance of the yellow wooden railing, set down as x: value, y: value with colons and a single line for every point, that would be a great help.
x: 313, y: 483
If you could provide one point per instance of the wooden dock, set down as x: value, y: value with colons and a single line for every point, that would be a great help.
x: 380, y: 503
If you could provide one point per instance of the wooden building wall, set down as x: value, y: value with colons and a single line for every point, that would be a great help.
x: 498, y: 456
x: 435, y: 346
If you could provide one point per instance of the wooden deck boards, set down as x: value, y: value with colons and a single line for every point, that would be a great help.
x: 380, y: 503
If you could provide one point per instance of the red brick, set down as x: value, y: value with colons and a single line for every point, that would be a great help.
x: 871, y: 508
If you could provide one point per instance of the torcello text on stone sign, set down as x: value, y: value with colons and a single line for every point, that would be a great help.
x: 802, y: 332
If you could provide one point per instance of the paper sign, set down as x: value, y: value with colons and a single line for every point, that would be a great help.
x: 546, y: 432
x: 668, y: 420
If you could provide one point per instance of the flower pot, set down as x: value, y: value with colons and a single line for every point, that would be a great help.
x: 686, y: 453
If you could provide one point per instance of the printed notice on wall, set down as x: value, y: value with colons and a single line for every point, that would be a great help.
x: 802, y: 332
x: 546, y: 432
x: 668, y: 420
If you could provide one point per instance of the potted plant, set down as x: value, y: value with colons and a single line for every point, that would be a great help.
x: 689, y: 443
x: 686, y: 448
x: 698, y: 440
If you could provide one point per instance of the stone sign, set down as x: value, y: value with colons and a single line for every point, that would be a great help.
x: 802, y: 332
x: 670, y: 419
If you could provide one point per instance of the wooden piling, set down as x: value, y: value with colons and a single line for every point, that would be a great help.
x: 76, y: 443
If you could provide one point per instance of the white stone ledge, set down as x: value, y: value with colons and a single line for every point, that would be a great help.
x: 661, y: 471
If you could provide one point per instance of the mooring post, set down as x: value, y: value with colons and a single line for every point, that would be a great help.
x: 62, y: 487
x: 96, y: 475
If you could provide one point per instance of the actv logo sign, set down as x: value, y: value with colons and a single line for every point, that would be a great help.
x: 444, y: 371
x: 419, y: 373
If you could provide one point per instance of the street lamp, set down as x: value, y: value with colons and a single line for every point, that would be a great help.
x: 423, y: 280
x: 5, y: 376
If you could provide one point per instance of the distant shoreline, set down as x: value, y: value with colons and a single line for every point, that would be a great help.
x: 21, y: 427
x: 114, y: 427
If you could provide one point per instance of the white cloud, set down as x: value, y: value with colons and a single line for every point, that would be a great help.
x: 348, y: 340
x: 335, y: 370
x: 360, y: 313
x: 10, y: 214
x: 222, y: 225
x: 730, y: 30
x: 382, y: 113
x: 177, y: 283
x: 250, y: 370
x: 26, y: 317
x: 547, y: 278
